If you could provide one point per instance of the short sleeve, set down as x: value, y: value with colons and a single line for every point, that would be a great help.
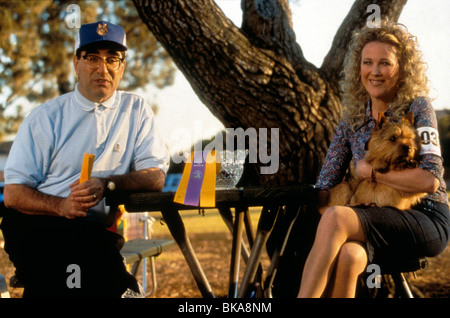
x: 29, y: 157
x: 150, y: 149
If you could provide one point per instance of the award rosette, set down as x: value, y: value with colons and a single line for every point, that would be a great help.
x: 198, y: 182
x: 86, y: 168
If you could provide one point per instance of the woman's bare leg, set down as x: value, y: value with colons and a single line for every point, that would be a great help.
x: 337, y: 226
x: 351, y: 262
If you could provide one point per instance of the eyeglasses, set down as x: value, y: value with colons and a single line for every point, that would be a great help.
x: 93, y: 62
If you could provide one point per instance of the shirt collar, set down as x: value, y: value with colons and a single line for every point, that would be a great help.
x: 388, y: 113
x: 369, y: 119
x: 88, y: 105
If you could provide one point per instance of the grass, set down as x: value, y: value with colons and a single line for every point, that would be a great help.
x: 196, y: 223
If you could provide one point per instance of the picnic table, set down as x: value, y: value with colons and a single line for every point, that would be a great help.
x: 272, y: 200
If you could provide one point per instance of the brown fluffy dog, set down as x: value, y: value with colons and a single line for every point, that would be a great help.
x: 392, y: 146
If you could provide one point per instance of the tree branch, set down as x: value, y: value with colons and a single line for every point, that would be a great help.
x: 268, y: 24
x: 215, y: 56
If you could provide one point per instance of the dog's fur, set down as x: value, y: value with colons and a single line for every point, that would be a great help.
x: 392, y: 146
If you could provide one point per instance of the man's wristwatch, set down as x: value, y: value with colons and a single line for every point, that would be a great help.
x: 110, y: 185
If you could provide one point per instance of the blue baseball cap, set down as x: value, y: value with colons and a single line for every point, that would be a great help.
x: 99, y: 33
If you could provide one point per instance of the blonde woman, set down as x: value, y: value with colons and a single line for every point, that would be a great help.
x: 384, y: 73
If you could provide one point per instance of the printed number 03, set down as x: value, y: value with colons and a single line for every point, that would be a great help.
x: 428, y: 137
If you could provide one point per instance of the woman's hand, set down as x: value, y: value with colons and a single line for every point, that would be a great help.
x: 364, y: 169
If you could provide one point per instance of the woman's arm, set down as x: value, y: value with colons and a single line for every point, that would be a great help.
x: 336, y: 161
x: 408, y: 180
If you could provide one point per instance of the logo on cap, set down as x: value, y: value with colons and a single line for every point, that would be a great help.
x: 102, y: 29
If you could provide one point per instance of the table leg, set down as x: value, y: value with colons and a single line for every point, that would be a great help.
x: 235, y: 253
x: 228, y: 219
x: 177, y: 229
x: 279, y: 251
x: 251, y: 240
x: 265, y: 226
x: 249, y: 227
x: 234, y: 268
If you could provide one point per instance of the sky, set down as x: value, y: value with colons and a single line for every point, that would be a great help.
x: 315, y: 24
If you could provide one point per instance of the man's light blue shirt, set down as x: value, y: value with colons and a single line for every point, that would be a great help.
x: 48, y: 151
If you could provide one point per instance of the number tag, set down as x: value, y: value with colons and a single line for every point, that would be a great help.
x: 430, y: 141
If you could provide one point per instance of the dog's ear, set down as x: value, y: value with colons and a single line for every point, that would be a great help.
x: 381, y: 120
x: 409, y: 118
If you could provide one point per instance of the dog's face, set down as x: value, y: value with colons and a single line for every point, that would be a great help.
x: 397, y: 144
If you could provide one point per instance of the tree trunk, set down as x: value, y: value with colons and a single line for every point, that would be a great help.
x: 256, y: 76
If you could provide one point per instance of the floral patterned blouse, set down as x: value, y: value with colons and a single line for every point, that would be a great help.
x: 348, y: 144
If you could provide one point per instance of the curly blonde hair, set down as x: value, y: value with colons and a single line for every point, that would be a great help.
x: 412, y: 83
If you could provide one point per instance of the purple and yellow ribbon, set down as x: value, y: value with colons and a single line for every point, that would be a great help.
x: 198, y: 182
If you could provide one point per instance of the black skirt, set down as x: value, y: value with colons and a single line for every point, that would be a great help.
x: 393, y: 235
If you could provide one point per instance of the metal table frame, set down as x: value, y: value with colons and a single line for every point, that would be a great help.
x: 272, y: 199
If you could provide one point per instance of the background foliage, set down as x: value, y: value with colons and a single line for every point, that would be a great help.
x: 36, y: 52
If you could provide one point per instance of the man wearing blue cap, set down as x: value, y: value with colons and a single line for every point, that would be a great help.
x: 54, y: 222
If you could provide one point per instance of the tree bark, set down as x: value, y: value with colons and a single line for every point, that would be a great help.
x: 256, y: 76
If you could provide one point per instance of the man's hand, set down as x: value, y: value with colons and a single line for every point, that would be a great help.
x: 83, y: 196
x: 88, y: 194
x: 71, y: 209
